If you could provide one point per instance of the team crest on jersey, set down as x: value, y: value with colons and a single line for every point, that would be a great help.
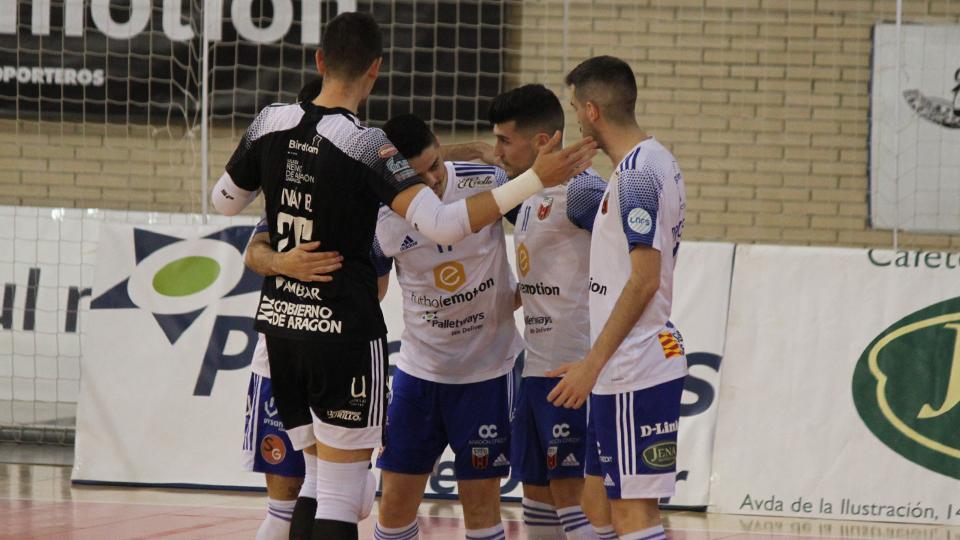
x: 480, y: 457
x: 603, y: 207
x: 544, y: 210
x: 272, y: 449
x: 387, y: 150
x: 552, y: 457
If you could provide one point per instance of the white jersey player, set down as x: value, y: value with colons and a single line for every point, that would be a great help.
x: 634, y: 372
x: 453, y: 383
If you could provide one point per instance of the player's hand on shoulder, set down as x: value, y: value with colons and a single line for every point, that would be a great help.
x: 555, y: 166
x: 305, y: 264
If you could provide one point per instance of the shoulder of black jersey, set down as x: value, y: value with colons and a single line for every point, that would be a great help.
x: 275, y: 117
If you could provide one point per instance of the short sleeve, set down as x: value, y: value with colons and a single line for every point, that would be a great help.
x: 584, y: 195
x: 381, y: 263
x: 390, y: 172
x: 640, y: 205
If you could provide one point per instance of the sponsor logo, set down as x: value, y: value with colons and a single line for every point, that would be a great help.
x: 606, y: 459
x: 639, y: 221
x: 298, y: 316
x: 303, y: 147
x: 479, y: 457
x: 501, y: 461
x: 272, y: 449
x: 458, y: 323
x: 350, y: 416
x: 608, y: 481
x: 671, y: 343
x: 660, y: 428
x: 487, y: 431
x: 176, y: 280
x: 539, y: 289
x: 400, y: 168
x: 429, y: 316
x: 561, y: 430
x: 523, y: 260
x: 552, y: 457
x: 914, y: 259
x: 449, y: 276
x: 387, y: 150
x: 408, y: 243
x: 270, y: 408
x: 452, y: 300
x: 906, y: 387
x: 661, y: 455
x: 570, y: 461
x: 544, y: 209
x: 475, y: 181
x: 596, y: 287
x: 296, y: 288
x: 603, y: 207
x: 362, y: 393
x: 295, y: 175
x: 537, y: 320
x: 52, y: 75
x: 941, y: 111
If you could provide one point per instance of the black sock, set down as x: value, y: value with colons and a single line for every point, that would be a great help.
x: 328, y: 529
x: 301, y: 524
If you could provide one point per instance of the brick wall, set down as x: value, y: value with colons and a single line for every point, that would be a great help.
x: 764, y: 102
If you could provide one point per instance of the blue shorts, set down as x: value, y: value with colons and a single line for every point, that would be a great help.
x: 548, y: 441
x: 266, y: 447
x: 423, y: 417
x: 633, y: 441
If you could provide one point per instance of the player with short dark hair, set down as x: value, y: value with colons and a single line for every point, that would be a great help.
x: 324, y: 176
x: 548, y: 443
x: 454, y: 379
x: 633, y: 374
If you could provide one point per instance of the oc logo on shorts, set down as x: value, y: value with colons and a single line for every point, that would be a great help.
x: 488, y: 431
x: 561, y: 430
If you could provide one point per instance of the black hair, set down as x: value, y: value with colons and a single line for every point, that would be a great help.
x: 530, y: 106
x: 409, y: 134
x: 608, y: 82
x: 351, y: 42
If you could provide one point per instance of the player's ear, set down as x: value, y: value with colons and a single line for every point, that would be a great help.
x: 593, y: 111
x: 374, y: 70
x: 321, y: 66
x: 541, y: 139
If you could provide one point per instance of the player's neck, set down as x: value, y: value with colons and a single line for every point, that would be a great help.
x: 338, y: 94
x: 618, y: 141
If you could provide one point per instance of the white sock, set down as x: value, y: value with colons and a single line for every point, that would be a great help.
x: 490, y: 533
x: 408, y: 532
x: 277, y: 524
x: 653, y: 533
x: 576, y: 525
x: 340, y: 490
x: 309, y: 487
x: 606, y: 532
x: 540, y: 520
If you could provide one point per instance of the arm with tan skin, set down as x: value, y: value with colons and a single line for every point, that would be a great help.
x: 469, y: 151
x: 383, y: 284
x: 579, y: 377
x: 446, y: 223
x: 302, y: 263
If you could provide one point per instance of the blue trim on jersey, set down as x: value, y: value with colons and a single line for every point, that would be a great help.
x: 262, y: 226
x: 381, y: 263
x: 584, y: 196
x: 640, y: 205
x: 630, y: 162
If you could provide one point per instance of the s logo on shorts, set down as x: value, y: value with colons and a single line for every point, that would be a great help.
x: 272, y: 449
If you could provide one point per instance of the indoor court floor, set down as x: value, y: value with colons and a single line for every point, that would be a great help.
x: 38, y: 501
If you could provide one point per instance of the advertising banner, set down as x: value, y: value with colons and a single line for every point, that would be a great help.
x: 841, y: 386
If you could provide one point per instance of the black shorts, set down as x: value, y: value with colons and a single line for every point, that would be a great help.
x: 332, y: 392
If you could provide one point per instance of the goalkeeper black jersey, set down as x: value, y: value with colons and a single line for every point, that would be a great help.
x: 324, y: 177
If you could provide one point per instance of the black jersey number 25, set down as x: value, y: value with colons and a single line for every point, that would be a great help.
x: 293, y: 228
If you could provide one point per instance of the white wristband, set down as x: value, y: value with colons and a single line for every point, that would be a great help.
x: 514, y: 192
